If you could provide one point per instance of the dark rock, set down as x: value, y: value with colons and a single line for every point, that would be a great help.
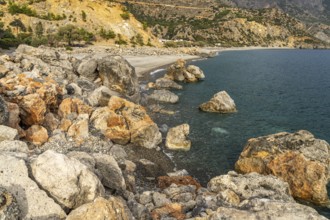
x: 9, y: 209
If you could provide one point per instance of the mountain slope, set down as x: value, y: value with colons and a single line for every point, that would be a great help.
x: 91, y: 15
x: 217, y: 22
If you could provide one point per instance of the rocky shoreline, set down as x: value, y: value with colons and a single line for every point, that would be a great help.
x: 76, y: 144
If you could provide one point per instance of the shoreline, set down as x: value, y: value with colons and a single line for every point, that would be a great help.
x: 145, y: 64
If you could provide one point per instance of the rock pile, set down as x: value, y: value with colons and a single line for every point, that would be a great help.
x: 71, y: 148
x: 179, y: 72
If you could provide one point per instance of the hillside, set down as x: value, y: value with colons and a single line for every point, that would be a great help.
x: 107, y: 22
x: 222, y: 23
x: 314, y: 13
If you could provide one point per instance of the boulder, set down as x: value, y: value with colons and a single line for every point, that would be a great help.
x: 33, y: 109
x: 109, y: 172
x: 33, y: 202
x: 73, y: 89
x: 112, y: 125
x: 160, y: 199
x: 118, y: 75
x: 9, y: 209
x: 14, y: 146
x: 14, y: 118
x: 37, y: 135
x: 297, y: 158
x: 176, y: 138
x: 73, y: 105
x: 79, y: 130
x: 164, y: 96
x: 164, y: 83
x: 196, y: 72
x: 169, y: 211
x: 113, y: 208
x: 143, y: 131
x: 87, y: 69
x: 7, y: 133
x: 220, y: 103
x: 65, y: 179
x: 51, y: 122
x: 100, y: 96
x: 175, y: 71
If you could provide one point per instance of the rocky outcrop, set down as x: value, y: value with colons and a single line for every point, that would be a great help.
x: 67, y: 180
x: 9, y: 209
x: 221, y: 102
x: 32, y: 201
x: 164, y: 96
x: 123, y: 121
x: 100, y: 208
x: 297, y: 158
x: 176, y: 138
x: 179, y: 72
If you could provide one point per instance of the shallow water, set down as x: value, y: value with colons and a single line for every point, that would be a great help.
x: 274, y: 91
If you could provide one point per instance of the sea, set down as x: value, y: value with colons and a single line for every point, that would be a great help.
x: 274, y: 91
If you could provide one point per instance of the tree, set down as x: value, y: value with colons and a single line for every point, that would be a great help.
x: 39, y: 29
x: 18, y: 24
x: 70, y: 33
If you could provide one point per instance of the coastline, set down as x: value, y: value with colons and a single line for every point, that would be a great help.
x: 144, y: 64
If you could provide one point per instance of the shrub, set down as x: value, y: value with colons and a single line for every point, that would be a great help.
x: 84, y: 16
x: 109, y: 34
x: 125, y: 15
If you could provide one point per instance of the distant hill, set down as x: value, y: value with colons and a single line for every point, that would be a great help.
x: 223, y: 22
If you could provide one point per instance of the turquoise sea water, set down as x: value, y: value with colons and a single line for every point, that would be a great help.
x: 274, y: 91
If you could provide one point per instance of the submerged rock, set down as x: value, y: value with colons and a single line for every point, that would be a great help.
x: 164, y: 96
x: 176, y: 138
x: 220, y: 102
x: 297, y: 158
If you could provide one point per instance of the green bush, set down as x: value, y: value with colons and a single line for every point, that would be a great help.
x: 21, y: 9
x: 120, y: 40
x: 109, y: 34
x: 125, y: 15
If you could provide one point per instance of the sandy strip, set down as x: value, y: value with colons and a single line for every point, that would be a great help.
x: 146, y: 64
